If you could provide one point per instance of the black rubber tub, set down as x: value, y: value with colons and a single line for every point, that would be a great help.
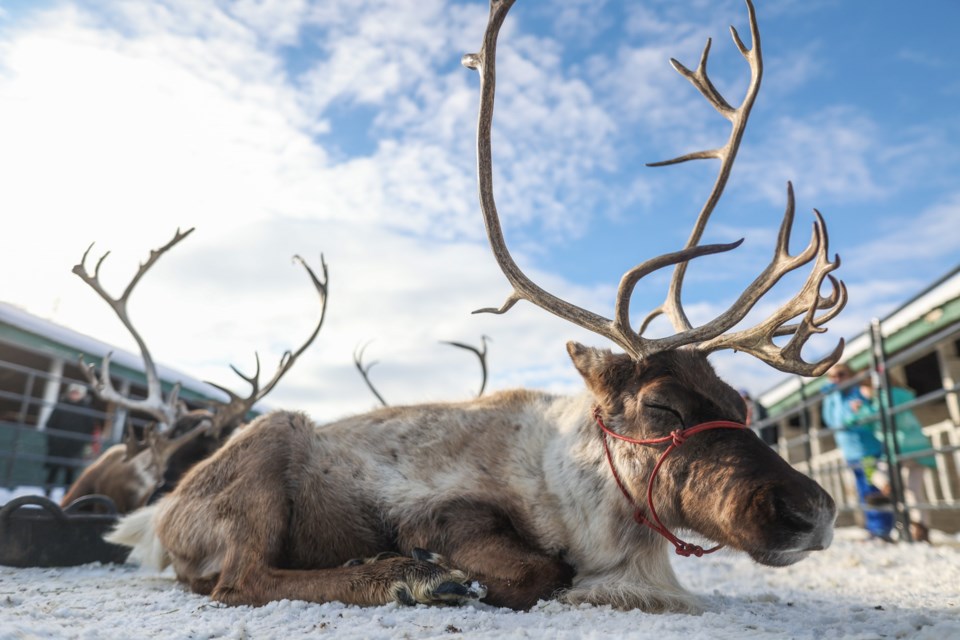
x: 36, y: 532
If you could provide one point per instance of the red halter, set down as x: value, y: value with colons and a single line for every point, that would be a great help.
x: 676, y: 438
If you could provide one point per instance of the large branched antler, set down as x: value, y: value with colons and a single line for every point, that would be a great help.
x: 708, y: 337
x: 238, y: 406
x: 618, y: 329
x: 164, y: 411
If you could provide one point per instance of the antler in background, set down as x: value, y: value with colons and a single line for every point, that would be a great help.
x: 481, y: 354
x: 365, y: 372
x: 238, y: 406
x: 164, y: 411
x: 364, y: 369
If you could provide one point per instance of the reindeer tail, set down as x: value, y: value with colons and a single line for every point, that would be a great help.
x: 138, y: 530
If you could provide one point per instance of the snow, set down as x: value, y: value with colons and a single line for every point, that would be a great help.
x: 856, y: 589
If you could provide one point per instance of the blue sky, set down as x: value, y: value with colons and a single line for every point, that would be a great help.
x: 289, y: 126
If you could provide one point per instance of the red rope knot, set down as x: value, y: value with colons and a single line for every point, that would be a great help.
x: 679, y: 437
x: 687, y: 549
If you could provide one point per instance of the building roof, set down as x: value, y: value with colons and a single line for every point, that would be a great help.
x: 25, y: 330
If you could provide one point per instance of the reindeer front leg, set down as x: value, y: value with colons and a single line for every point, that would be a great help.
x: 485, y: 542
x: 515, y: 575
x: 421, y: 578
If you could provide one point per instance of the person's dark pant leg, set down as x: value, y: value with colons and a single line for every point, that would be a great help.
x: 877, y: 523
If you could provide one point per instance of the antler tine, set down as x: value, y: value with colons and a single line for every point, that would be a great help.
x: 165, y: 412
x: 288, y: 358
x: 238, y: 406
x: 727, y: 154
x: 365, y: 372
x: 834, y: 302
x: 133, y: 446
x: 481, y: 354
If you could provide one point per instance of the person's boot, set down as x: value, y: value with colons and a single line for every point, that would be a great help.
x: 919, y: 532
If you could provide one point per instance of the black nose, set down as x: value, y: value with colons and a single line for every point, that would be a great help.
x: 792, y: 512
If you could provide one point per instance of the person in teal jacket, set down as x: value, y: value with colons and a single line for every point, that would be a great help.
x: 860, y: 446
x: 909, y: 437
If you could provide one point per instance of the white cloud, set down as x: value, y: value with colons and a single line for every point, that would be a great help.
x: 578, y: 19
x: 921, y: 58
x: 277, y: 21
x: 824, y: 154
x: 932, y: 232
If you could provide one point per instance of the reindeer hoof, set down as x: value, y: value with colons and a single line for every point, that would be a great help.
x: 459, y: 593
x: 430, y: 580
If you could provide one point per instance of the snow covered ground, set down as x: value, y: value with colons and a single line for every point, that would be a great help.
x: 855, y: 589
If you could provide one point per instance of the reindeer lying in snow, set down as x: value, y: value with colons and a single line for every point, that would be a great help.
x: 133, y: 473
x: 522, y: 495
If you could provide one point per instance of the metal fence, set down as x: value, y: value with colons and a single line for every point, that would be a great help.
x: 813, y: 451
x: 24, y: 458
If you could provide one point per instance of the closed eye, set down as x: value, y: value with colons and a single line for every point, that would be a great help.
x: 661, y: 407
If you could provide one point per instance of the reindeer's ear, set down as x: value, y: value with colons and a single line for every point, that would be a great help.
x: 605, y: 373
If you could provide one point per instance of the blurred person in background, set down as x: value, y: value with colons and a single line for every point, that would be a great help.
x: 860, y: 447
x: 70, y: 418
x: 908, y: 434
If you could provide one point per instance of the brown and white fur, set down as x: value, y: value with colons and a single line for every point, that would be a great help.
x: 510, y: 491
x: 129, y: 477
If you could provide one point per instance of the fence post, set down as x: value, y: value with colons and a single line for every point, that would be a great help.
x: 884, y: 404
x: 805, y: 428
